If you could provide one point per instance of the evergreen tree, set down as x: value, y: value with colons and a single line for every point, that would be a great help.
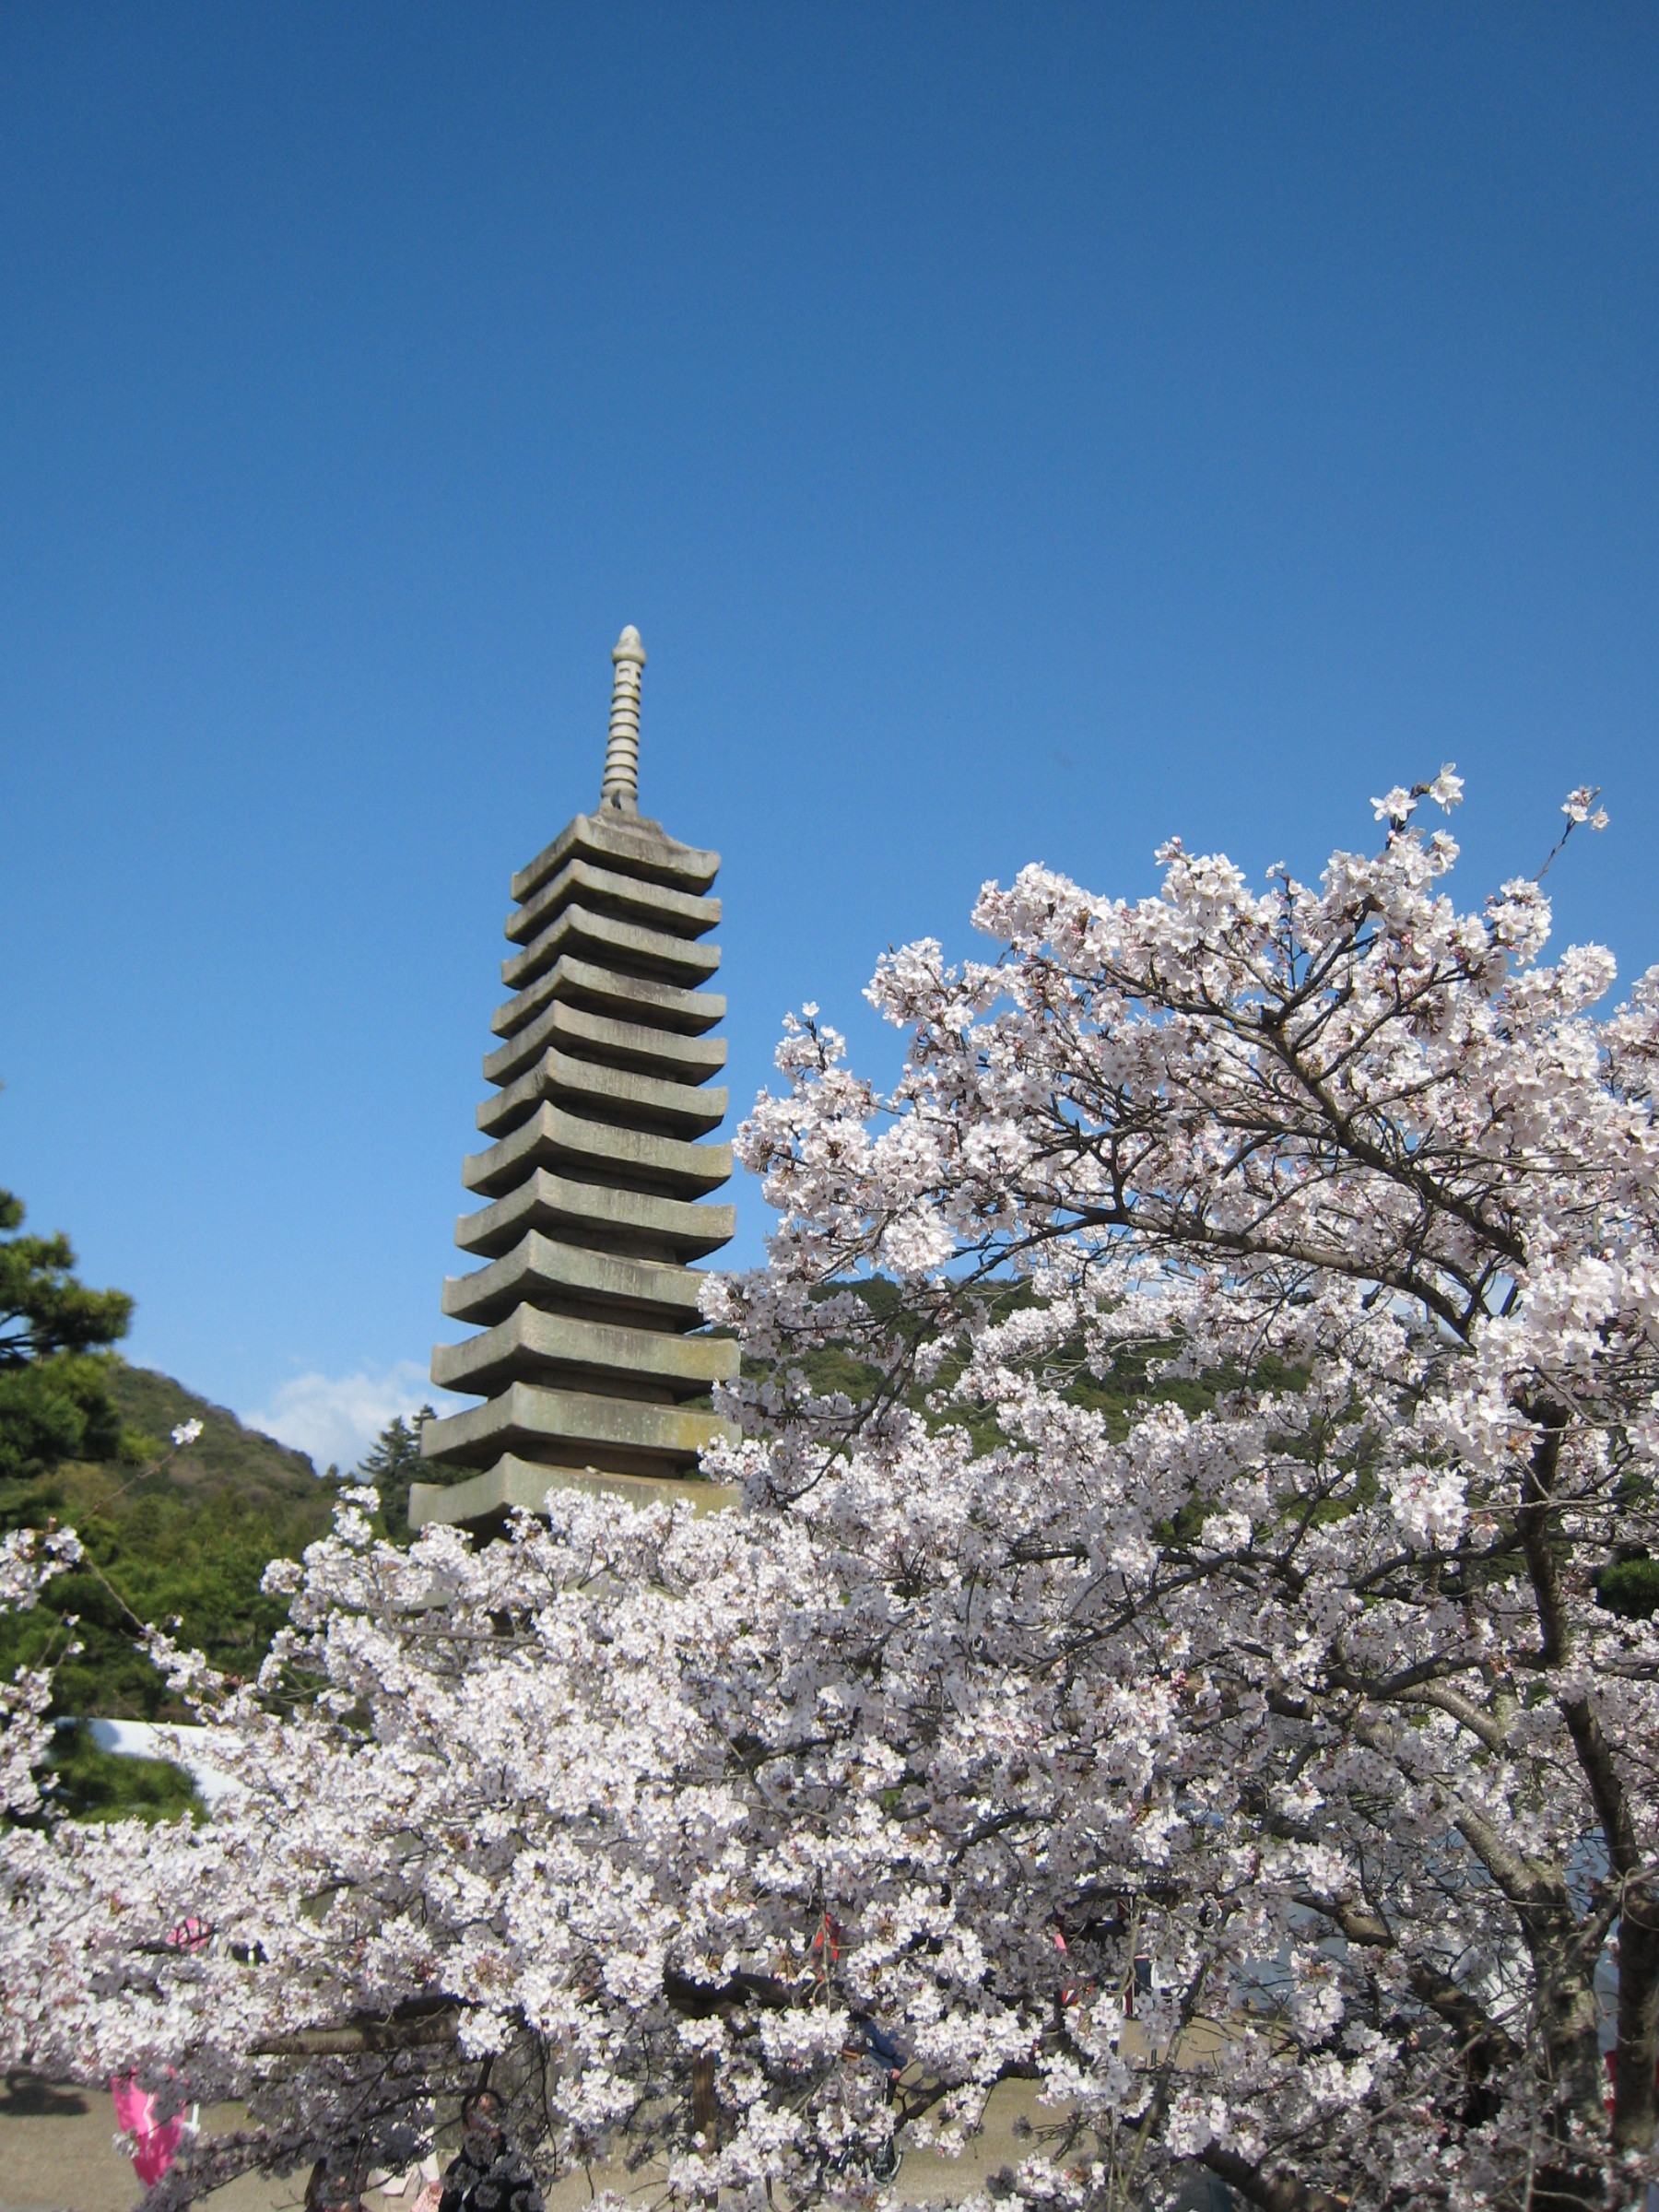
x: 392, y: 1465
x: 43, y: 1309
x: 55, y: 1397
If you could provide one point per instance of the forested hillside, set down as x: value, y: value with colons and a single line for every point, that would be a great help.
x: 169, y: 1533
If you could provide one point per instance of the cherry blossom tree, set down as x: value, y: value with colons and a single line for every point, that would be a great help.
x: 28, y: 1562
x: 1175, y: 1676
x: 1329, y: 1723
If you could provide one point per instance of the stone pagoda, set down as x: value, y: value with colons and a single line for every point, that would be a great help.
x: 591, y: 1355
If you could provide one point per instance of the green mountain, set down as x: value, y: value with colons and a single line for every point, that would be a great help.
x: 170, y: 1535
x: 225, y: 1454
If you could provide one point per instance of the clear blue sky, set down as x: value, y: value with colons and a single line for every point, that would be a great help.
x: 1019, y: 432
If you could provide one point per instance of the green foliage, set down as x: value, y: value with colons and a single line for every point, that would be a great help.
x: 43, y: 1309
x: 53, y: 1409
x: 179, y: 1535
x: 90, y: 1783
x: 55, y: 1397
x: 168, y: 1558
x: 392, y: 1465
x: 186, y: 1541
x: 1630, y: 1586
x: 226, y: 1456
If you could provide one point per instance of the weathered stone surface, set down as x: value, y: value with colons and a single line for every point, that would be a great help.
x: 634, y: 845
x: 603, y: 891
x: 569, y: 1278
x: 606, y: 991
x: 624, y: 945
x: 587, y: 1213
x: 571, y: 1354
x: 617, y: 1094
x: 570, y: 1427
x: 483, y: 1503
x: 635, y: 1159
x: 630, y: 1044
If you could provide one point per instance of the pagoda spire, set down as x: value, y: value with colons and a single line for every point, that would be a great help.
x: 591, y: 1355
x: 619, y: 787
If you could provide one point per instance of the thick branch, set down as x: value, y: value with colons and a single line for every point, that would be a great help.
x: 1484, y: 2041
x: 1490, y: 1732
x: 1636, y: 2105
x: 1272, y: 2192
x: 1532, y: 1522
x: 359, y: 2036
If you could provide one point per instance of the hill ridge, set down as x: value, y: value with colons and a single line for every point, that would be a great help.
x: 227, y: 1453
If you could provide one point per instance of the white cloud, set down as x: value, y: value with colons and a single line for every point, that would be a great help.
x: 336, y: 1417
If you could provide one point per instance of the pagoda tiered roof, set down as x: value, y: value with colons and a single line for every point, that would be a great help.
x: 591, y: 1357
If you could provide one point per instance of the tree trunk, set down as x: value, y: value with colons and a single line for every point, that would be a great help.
x: 1634, y: 2096
x: 705, y: 2106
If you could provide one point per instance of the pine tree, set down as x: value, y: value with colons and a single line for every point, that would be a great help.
x: 55, y: 1397
x: 392, y: 1465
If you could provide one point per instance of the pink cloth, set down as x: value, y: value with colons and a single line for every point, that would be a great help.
x: 154, y: 2147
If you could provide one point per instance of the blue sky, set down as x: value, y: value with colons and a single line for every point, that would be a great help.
x: 1019, y: 432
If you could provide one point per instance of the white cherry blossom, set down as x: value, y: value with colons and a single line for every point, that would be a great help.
x: 1168, y: 1669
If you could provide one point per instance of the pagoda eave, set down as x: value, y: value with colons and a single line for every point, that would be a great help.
x: 571, y: 1427
x: 486, y: 1501
x: 592, y: 1213
x: 580, y: 1354
x: 561, y: 1277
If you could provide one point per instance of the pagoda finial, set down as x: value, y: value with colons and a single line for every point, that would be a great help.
x: 620, y: 785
